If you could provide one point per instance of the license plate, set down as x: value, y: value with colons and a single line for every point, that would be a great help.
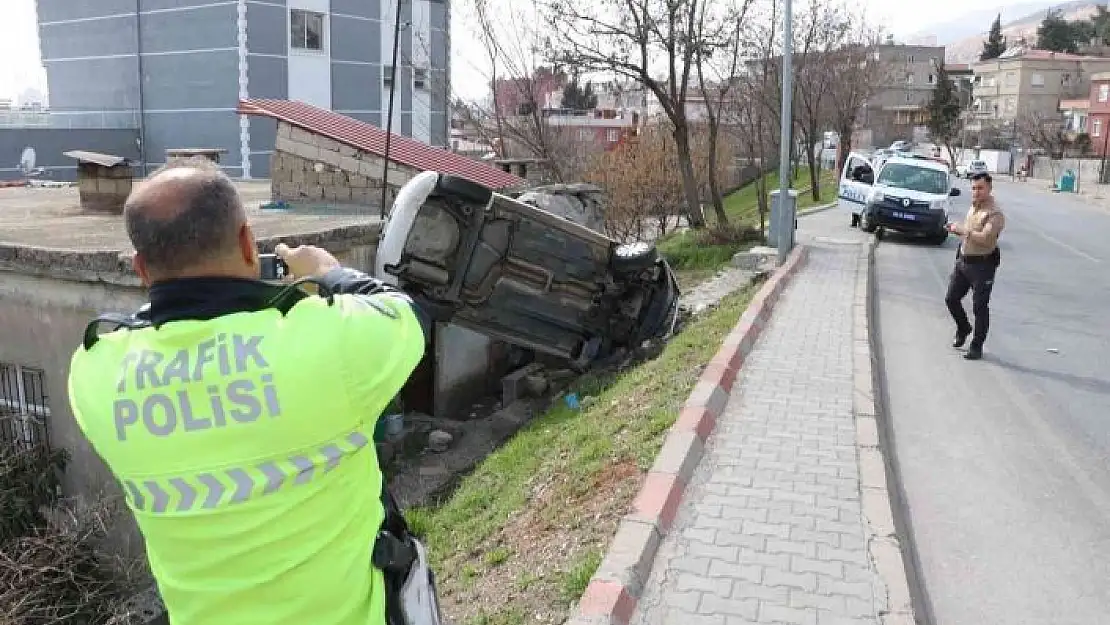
x: 906, y: 216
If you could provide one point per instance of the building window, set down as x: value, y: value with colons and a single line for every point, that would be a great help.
x: 1065, y: 79
x: 1011, y: 79
x: 387, y: 76
x: 909, y: 97
x: 419, y: 77
x: 1037, y: 80
x: 613, y: 135
x: 1096, y: 128
x: 306, y: 30
x: 1103, y: 92
x: 909, y: 58
x: 23, y: 407
x: 909, y: 79
x: 932, y: 79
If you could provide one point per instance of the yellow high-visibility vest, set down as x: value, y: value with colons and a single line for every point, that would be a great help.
x: 244, y: 447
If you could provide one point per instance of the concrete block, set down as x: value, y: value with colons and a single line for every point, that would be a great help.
x: 325, y: 143
x: 304, y: 150
x: 300, y: 135
x: 630, y: 555
x: 346, y: 150
x: 756, y: 259
x: 680, y: 454
x: 330, y: 157
x: 349, y: 163
x: 364, y: 196
x: 462, y: 367
x: 513, y: 386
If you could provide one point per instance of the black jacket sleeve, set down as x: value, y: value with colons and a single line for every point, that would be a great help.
x: 344, y: 280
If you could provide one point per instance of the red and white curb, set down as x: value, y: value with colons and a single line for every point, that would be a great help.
x: 615, y: 588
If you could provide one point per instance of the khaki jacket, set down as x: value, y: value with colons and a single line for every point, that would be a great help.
x: 983, y: 225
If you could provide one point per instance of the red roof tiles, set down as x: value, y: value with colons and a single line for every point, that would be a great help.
x: 370, y: 138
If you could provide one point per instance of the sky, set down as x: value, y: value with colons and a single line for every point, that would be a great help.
x: 20, y: 67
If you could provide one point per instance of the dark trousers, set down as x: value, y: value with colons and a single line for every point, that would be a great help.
x: 977, y: 277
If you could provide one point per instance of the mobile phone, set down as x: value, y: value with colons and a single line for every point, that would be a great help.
x: 273, y: 268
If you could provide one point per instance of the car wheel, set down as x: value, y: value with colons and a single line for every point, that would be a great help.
x: 463, y: 189
x: 939, y: 238
x: 866, y: 224
x: 632, y: 257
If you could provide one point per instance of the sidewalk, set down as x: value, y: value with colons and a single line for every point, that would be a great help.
x: 771, y: 529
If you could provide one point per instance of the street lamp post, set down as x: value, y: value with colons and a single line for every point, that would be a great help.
x: 786, y: 204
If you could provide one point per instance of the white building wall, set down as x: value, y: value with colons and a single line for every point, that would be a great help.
x: 421, y: 33
x: 310, y: 70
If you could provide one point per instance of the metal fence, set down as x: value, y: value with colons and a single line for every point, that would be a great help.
x: 24, y: 410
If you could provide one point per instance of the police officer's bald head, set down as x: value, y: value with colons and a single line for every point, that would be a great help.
x: 187, y: 220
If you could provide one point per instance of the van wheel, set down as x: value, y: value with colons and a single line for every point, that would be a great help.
x: 865, y: 224
x: 632, y: 257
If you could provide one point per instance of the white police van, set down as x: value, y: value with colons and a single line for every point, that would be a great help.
x: 907, y: 194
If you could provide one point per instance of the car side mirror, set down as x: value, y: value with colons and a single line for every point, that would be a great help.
x: 954, y: 192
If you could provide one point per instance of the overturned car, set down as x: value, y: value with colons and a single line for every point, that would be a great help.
x: 520, y: 274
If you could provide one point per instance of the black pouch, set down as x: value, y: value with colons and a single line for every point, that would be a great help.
x: 410, y: 591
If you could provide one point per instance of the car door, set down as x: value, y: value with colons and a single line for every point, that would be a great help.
x: 855, y: 183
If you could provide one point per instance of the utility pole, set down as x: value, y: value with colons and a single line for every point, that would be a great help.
x: 786, y: 203
x: 389, y: 114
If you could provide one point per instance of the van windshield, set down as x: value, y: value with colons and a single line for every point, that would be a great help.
x: 921, y: 179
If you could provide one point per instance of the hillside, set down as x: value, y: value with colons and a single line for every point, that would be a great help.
x: 967, y: 49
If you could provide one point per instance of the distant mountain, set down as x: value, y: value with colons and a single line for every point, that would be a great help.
x: 963, y: 38
x: 975, y: 23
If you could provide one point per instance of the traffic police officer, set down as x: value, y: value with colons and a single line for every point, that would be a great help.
x: 238, y: 415
x: 977, y: 261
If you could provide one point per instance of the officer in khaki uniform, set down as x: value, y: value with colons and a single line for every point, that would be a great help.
x: 238, y: 415
x: 977, y: 261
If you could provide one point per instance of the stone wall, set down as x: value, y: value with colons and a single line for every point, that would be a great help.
x: 104, y: 189
x: 311, y: 168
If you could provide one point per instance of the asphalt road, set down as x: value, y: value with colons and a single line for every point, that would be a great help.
x: 1005, y: 462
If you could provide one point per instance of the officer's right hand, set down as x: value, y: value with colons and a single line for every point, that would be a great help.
x: 306, y: 260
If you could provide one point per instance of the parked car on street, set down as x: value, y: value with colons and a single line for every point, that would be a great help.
x: 975, y: 167
x: 517, y: 273
x: 911, y: 195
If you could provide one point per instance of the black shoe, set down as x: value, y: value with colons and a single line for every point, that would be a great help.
x: 961, y: 338
x: 974, y: 353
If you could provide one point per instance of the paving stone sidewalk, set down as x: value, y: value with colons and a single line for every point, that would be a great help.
x: 770, y: 529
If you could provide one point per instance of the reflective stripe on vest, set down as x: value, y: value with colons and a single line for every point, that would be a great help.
x: 209, y: 490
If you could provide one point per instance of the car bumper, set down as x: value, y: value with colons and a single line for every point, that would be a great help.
x: 908, y: 221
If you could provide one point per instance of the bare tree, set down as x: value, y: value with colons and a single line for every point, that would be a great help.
x: 520, y: 81
x: 655, y: 43
x: 754, y: 112
x: 727, y: 45
x: 1046, y: 133
x: 824, y: 30
x: 859, y: 73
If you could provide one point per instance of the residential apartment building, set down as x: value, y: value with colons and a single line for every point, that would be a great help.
x: 1098, y: 113
x: 897, y: 110
x: 1029, y: 83
x: 176, y: 69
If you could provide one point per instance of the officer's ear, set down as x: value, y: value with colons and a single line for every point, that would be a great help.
x: 248, y: 249
x: 139, y: 264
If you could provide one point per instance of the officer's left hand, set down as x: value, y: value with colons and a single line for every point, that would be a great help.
x: 306, y: 260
